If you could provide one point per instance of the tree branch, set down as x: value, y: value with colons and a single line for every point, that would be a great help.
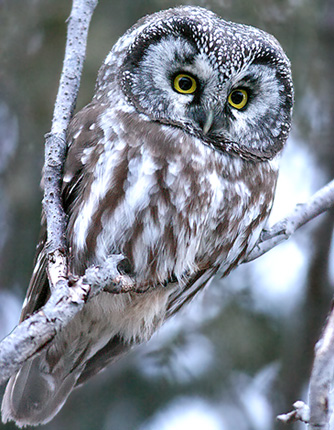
x: 67, y: 298
x: 33, y: 334
x: 39, y: 329
x: 320, y: 202
x: 55, y: 144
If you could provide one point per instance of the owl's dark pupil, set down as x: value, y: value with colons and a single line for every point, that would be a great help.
x: 185, y: 83
x: 237, y: 97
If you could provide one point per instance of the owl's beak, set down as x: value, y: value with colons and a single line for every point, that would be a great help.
x: 208, y: 121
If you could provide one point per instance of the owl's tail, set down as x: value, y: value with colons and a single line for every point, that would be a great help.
x: 34, y: 395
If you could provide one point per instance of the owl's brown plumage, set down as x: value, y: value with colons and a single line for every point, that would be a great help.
x: 174, y: 165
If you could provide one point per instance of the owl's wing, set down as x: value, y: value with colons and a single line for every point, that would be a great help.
x: 41, y: 386
x: 115, y: 347
x: 184, y: 295
x: 81, y: 136
x: 111, y: 352
x: 38, y: 291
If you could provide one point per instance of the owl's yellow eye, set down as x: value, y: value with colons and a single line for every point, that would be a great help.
x: 238, y: 98
x: 185, y: 84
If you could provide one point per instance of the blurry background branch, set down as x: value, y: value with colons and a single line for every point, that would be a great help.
x: 318, y: 414
x: 321, y: 382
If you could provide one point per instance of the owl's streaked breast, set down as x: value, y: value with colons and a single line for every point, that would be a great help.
x: 169, y: 203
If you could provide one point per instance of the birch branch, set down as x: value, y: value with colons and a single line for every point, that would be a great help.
x: 55, y: 144
x: 33, y: 334
x: 67, y: 298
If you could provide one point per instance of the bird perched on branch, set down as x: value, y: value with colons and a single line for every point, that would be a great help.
x: 173, y: 164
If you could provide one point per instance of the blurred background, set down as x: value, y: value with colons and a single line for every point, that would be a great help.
x: 241, y: 352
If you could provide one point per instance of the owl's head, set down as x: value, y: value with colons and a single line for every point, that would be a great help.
x: 227, y: 83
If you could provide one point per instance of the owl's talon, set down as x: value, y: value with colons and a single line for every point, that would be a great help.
x: 113, y: 288
x: 125, y: 268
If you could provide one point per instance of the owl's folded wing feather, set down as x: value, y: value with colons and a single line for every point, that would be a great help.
x: 36, y: 393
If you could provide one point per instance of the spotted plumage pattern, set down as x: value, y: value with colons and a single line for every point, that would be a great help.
x: 179, y: 178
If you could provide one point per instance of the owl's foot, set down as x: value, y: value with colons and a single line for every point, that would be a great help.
x: 114, y: 274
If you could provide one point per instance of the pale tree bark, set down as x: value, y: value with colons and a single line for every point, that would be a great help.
x: 68, y: 296
x: 55, y: 143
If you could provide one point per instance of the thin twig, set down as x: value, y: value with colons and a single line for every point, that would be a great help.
x: 301, y: 412
x: 320, y: 202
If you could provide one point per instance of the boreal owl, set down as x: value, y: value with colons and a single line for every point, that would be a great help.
x: 173, y: 164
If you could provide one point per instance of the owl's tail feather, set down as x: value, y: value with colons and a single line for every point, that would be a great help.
x: 34, y: 397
